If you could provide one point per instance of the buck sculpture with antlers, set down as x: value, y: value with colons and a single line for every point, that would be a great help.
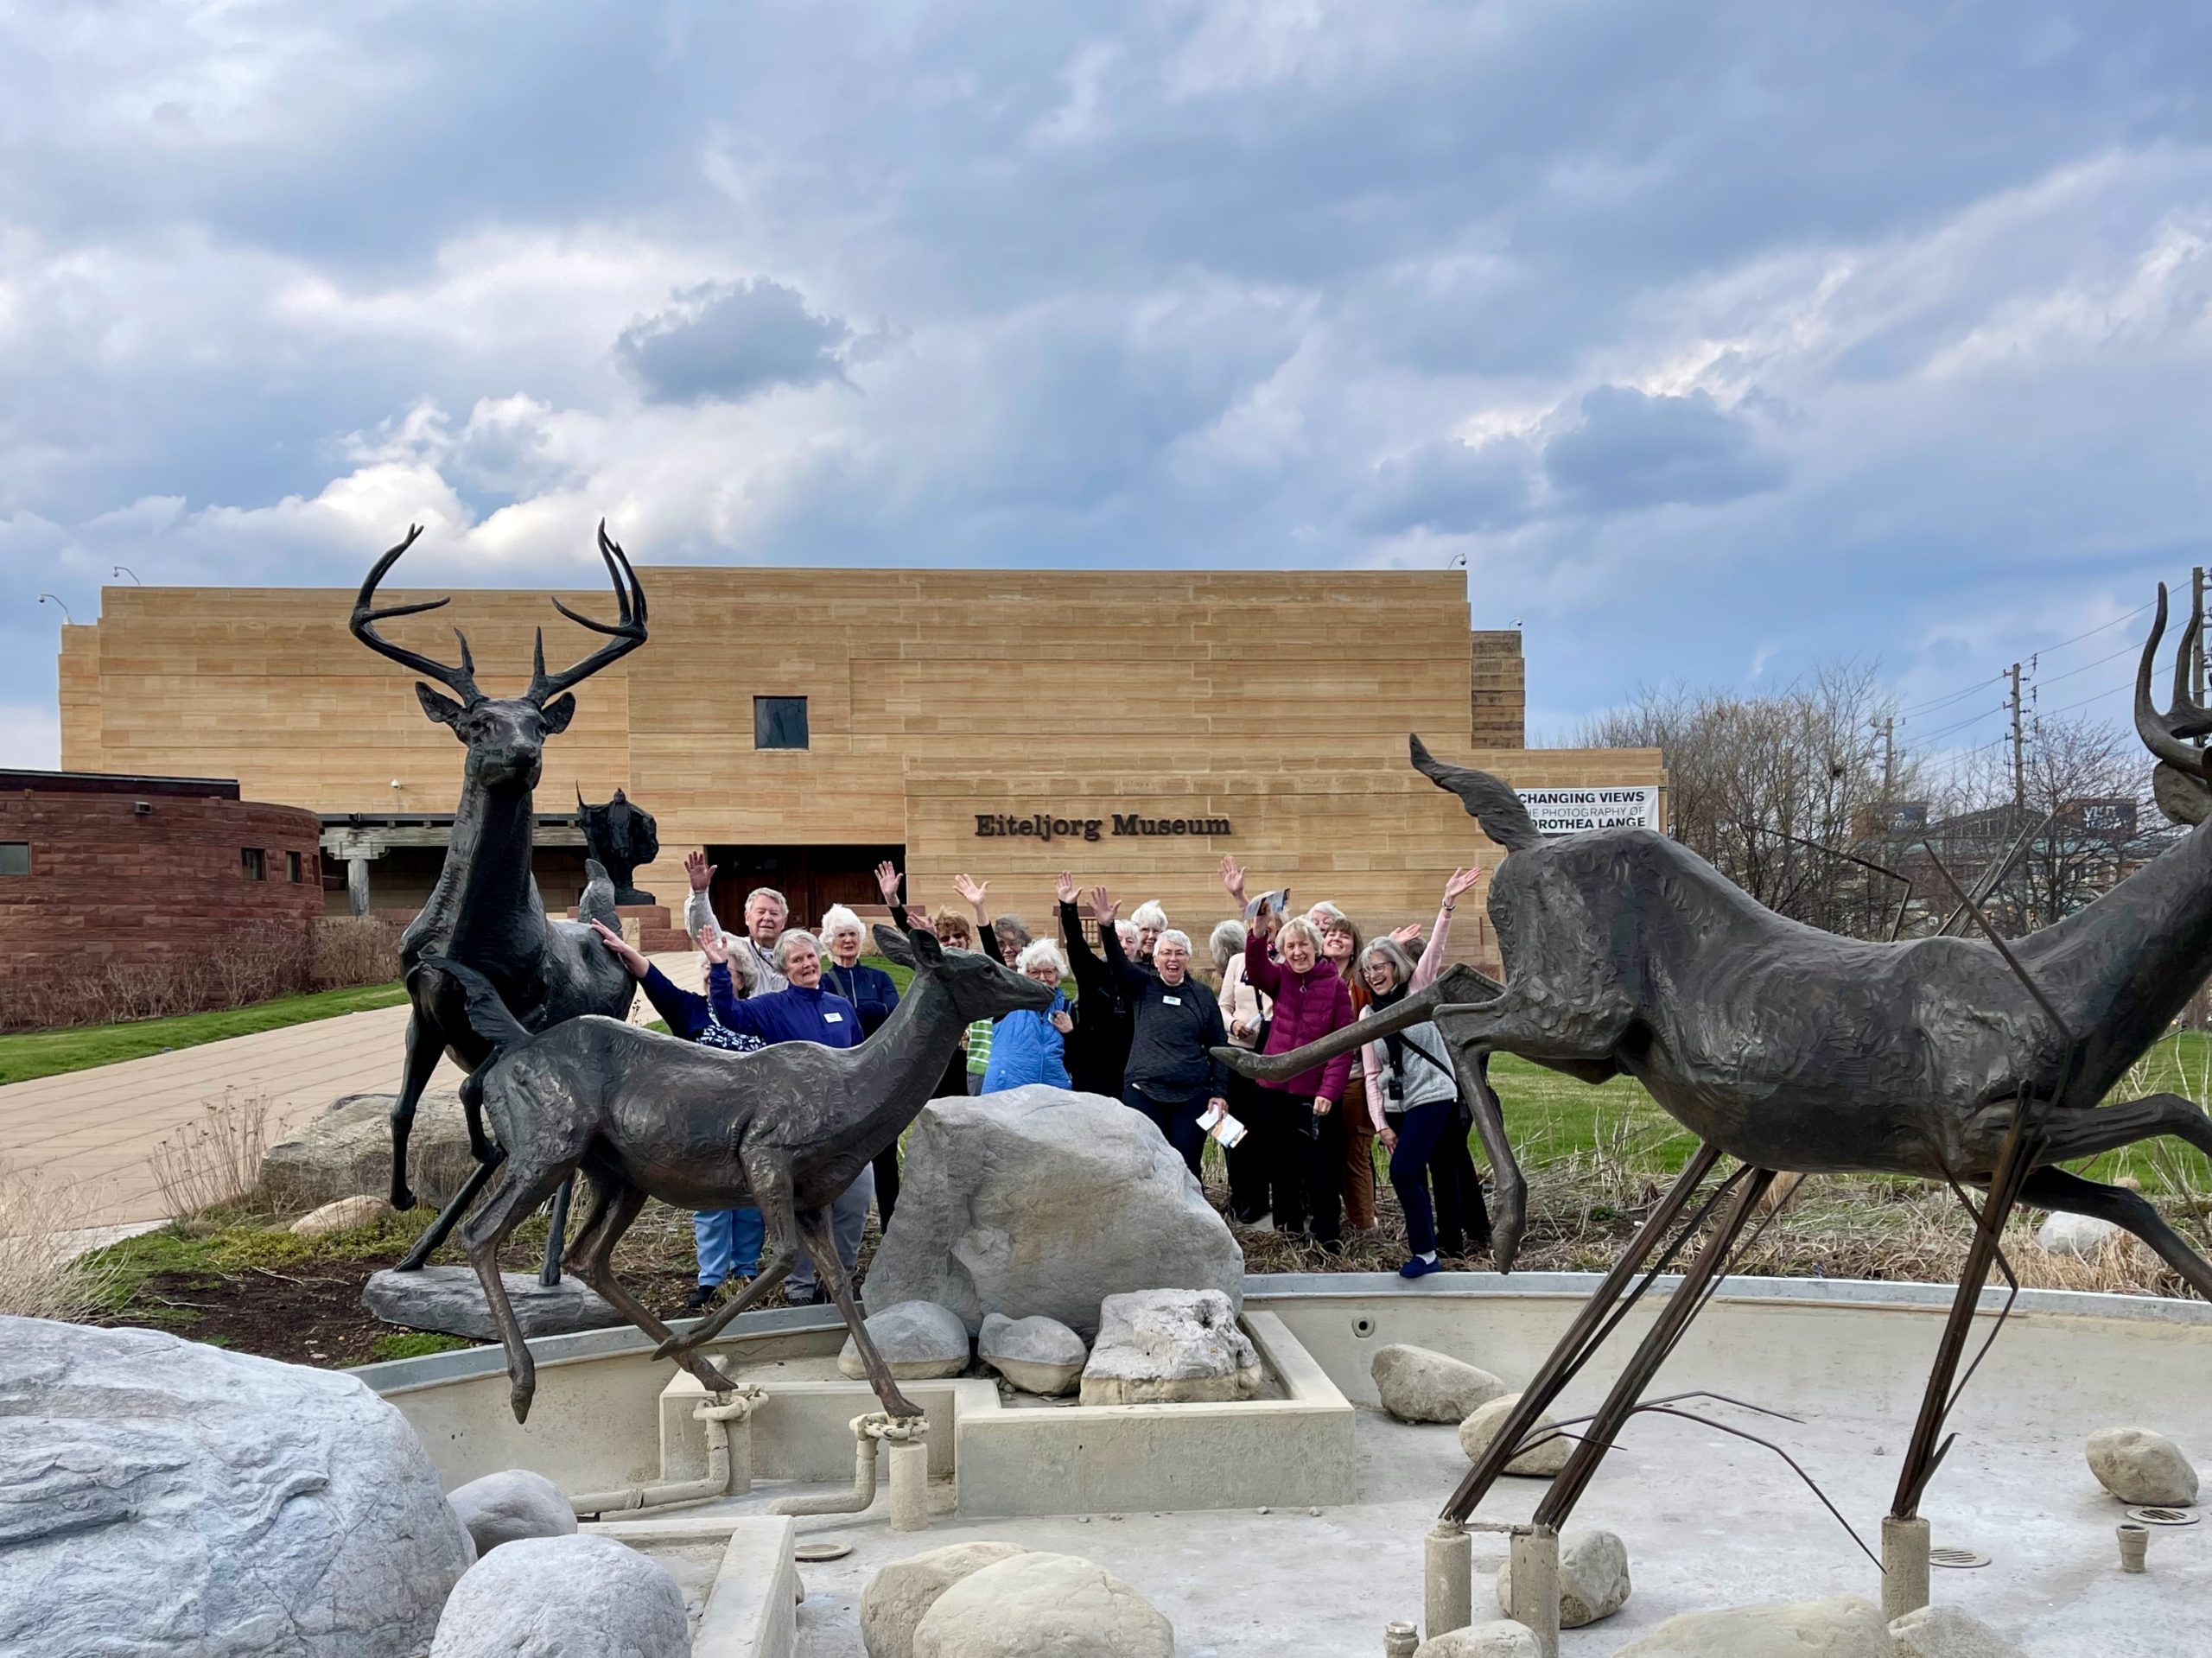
x: 485, y: 911
x: 1962, y: 1060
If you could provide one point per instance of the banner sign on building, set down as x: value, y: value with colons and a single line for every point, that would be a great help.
x: 1566, y: 811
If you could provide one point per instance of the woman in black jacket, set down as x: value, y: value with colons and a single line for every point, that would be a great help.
x: 1098, y: 1050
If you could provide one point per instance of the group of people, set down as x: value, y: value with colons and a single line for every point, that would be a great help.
x: 1141, y: 1026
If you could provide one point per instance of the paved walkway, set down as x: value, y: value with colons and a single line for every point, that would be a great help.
x: 96, y: 1130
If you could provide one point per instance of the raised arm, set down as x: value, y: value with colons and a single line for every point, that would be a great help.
x: 1432, y: 958
x: 1127, y: 974
x: 698, y: 910
x: 1092, y: 976
x: 888, y: 879
x: 1263, y: 974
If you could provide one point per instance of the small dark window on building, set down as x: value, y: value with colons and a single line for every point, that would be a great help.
x: 779, y: 723
x: 15, y: 857
x: 252, y: 862
x: 292, y: 867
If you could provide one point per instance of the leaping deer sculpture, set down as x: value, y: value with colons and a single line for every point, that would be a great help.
x: 485, y: 911
x: 1961, y: 1060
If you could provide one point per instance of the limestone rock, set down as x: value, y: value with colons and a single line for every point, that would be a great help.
x: 1034, y: 1603
x: 340, y: 1216
x: 898, y: 1595
x: 1037, y: 1354
x: 564, y: 1598
x: 1418, y: 1385
x: 2084, y: 1236
x: 449, y: 1299
x: 346, y: 1148
x: 2139, y: 1466
x: 1947, y: 1632
x: 1036, y: 1200
x: 161, y: 1496
x: 1540, y: 1463
x: 1502, y: 1638
x: 917, y: 1339
x: 1846, y: 1627
x: 1169, y: 1347
x: 505, y: 1508
x: 1593, y: 1577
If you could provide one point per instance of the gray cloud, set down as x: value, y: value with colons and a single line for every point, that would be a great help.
x: 729, y: 340
x: 1449, y: 487
x: 1634, y: 451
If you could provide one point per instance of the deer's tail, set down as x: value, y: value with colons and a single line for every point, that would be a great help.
x: 597, y: 903
x: 488, y: 1014
x: 1490, y: 801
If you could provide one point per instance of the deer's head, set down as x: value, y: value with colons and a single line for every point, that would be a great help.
x: 2179, y: 783
x: 504, y: 735
x: 980, y: 987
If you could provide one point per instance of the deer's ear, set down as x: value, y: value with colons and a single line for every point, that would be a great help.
x: 891, y: 944
x: 925, y: 945
x: 557, y: 713
x: 443, y: 709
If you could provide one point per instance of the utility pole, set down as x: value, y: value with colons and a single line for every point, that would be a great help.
x: 1889, y: 761
x: 2019, y: 752
x: 2196, y: 626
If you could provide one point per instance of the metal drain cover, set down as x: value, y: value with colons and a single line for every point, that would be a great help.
x: 2164, y: 1516
x: 1956, y: 1558
x: 815, y: 1553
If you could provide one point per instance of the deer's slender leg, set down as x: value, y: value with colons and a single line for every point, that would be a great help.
x: 1508, y: 1184
x: 521, y: 1191
x: 1710, y: 1263
x: 615, y: 1205
x: 815, y: 1234
x: 449, y: 1217
x: 2049, y: 1188
x: 557, y: 1233
x: 423, y: 1048
x: 770, y: 1179
x: 2070, y: 1134
x: 1581, y: 1339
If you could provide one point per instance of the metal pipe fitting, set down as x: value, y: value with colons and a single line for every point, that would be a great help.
x: 722, y: 1412
x: 2134, y: 1545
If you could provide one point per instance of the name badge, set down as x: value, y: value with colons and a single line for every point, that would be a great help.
x: 833, y: 1019
x: 1171, y: 1001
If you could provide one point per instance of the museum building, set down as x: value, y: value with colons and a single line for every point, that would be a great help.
x: 802, y: 724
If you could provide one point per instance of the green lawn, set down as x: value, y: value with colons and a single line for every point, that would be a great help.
x: 49, y: 1053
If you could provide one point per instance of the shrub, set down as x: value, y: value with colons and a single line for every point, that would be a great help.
x: 216, y: 1161
x: 44, y: 1272
x: 350, y: 950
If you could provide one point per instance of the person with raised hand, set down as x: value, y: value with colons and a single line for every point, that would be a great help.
x: 1310, y: 1001
x: 1173, y: 1077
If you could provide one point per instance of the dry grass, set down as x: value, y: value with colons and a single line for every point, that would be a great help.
x: 42, y: 1273
x: 214, y: 1163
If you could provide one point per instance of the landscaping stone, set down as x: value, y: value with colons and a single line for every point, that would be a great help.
x: 449, y: 1299
x: 1846, y: 1627
x: 1031, y: 1604
x: 897, y: 1596
x: 1540, y: 1463
x: 158, y: 1496
x: 507, y: 1507
x: 341, y: 1216
x: 1421, y: 1386
x: 917, y: 1339
x: 2083, y: 1235
x: 1037, y: 1354
x: 2140, y: 1467
x: 346, y: 1148
x: 1593, y: 1577
x: 1501, y: 1638
x: 1169, y: 1347
x: 564, y: 1598
x: 1000, y: 1203
x: 1947, y: 1632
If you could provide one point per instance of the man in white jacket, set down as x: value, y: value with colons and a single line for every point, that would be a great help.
x: 766, y: 912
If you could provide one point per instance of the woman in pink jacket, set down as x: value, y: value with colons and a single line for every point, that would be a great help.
x: 1310, y: 1001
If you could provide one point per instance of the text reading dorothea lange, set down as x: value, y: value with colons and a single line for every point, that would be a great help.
x: 1043, y: 828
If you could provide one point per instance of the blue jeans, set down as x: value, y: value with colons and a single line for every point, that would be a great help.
x: 1422, y: 1131
x: 1178, y: 1122
x: 848, y: 1220
x: 729, y: 1242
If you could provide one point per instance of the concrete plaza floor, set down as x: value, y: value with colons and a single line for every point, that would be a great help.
x: 94, y: 1132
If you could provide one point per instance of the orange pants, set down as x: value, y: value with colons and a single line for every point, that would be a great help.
x: 1360, y: 1155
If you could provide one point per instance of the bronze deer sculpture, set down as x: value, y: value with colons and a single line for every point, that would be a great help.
x: 485, y: 911
x: 1958, y: 1060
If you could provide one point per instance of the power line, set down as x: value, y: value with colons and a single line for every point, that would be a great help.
x: 2049, y: 650
x: 1972, y: 718
x: 2124, y: 650
x: 1923, y: 708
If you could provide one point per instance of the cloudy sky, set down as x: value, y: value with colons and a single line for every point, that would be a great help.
x: 1719, y: 338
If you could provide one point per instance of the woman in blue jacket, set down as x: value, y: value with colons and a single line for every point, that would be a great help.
x: 1028, y: 1046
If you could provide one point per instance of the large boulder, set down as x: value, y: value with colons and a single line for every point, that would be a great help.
x: 450, y: 1300
x: 1036, y: 1355
x: 1540, y: 1461
x: 345, y: 1148
x: 1036, y: 1200
x: 1947, y: 1632
x: 160, y: 1495
x: 1846, y: 1627
x: 509, y: 1506
x: 581, y: 1597
x: 898, y: 1597
x: 1499, y: 1638
x: 2139, y: 1466
x: 2084, y: 1236
x: 1032, y: 1604
x: 342, y: 1215
x: 1170, y: 1347
x: 1417, y: 1385
x: 917, y: 1339
x: 1593, y: 1577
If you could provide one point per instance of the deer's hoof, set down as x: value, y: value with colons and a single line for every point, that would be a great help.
x: 901, y: 1406
x: 402, y: 1197
x: 519, y: 1396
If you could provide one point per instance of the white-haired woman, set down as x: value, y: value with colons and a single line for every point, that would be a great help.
x: 1244, y: 1011
x: 876, y: 993
x: 1028, y: 1045
x: 1173, y: 1077
x: 1150, y: 920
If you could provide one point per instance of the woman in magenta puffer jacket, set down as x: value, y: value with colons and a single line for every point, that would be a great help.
x: 1311, y: 999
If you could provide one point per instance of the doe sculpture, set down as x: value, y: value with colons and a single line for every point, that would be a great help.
x: 485, y: 911
x: 1969, y: 1061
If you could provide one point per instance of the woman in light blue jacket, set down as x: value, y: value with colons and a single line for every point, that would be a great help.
x: 1028, y: 1046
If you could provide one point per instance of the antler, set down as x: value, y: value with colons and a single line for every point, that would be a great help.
x: 628, y: 630
x: 2180, y: 782
x: 362, y: 624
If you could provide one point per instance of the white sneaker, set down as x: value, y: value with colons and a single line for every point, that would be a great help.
x: 1265, y: 1223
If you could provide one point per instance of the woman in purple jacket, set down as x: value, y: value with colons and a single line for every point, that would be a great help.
x: 1311, y: 999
